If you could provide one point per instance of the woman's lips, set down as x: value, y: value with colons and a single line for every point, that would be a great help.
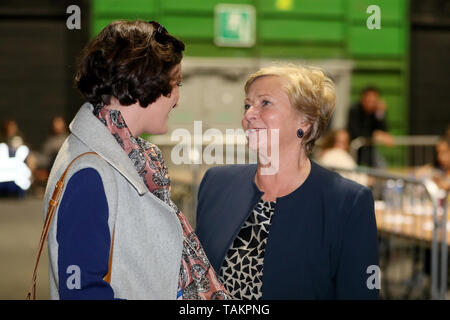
x: 253, y: 130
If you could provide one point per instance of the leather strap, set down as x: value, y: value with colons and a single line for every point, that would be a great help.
x: 53, y: 204
x: 107, y: 278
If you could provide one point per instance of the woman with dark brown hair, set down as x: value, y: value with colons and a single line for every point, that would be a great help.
x: 116, y: 233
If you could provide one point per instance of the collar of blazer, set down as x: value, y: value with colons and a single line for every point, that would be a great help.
x: 86, y: 127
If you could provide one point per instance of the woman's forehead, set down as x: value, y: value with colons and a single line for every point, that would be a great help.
x: 267, y: 85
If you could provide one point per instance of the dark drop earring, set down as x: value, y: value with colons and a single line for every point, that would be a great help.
x: 300, y: 133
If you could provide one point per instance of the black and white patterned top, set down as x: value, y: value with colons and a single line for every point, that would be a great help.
x: 242, y: 269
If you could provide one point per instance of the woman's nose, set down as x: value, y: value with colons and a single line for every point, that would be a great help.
x: 251, y: 113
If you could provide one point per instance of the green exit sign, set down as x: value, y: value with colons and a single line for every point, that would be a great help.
x: 234, y: 25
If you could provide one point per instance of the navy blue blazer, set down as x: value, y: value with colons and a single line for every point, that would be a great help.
x: 321, y: 242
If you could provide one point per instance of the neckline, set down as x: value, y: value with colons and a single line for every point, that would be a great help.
x: 264, y: 201
x: 289, y: 195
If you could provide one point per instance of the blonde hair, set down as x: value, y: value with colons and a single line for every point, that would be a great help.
x: 310, y: 92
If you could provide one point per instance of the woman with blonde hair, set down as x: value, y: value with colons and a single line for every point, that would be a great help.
x: 297, y: 231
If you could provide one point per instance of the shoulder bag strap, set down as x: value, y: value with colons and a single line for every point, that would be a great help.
x: 53, y: 204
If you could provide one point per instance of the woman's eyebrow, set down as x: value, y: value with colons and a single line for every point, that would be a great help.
x: 259, y: 96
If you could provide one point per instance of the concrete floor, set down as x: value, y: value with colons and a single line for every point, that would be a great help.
x: 20, y: 229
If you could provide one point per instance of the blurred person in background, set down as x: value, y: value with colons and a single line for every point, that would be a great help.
x: 54, y: 141
x: 334, y: 150
x: 47, y: 155
x: 300, y: 231
x: 116, y: 221
x: 11, y: 135
x: 439, y: 170
x: 334, y: 153
x: 367, y: 119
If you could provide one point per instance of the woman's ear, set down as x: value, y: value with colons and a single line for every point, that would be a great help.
x: 306, y: 126
x: 303, y: 124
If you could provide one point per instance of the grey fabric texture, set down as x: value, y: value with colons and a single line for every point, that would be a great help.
x: 147, y: 237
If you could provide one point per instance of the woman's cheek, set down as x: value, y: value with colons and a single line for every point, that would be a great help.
x: 269, y: 118
x: 244, y: 123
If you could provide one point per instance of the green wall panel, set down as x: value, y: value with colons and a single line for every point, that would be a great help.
x: 378, y: 64
x: 123, y: 7
x: 300, y: 30
x: 325, y: 8
x: 196, y: 6
x: 387, y: 41
x: 397, y: 115
x: 304, y: 51
x: 385, y: 81
x: 207, y: 49
x: 98, y: 24
x: 189, y: 27
x: 391, y: 11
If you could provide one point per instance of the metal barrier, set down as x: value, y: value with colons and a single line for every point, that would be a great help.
x: 418, y: 150
x: 414, y: 211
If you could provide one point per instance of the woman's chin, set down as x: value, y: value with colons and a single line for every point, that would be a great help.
x: 253, y: 145
x: 164, y: 130
x: 159, y: 131
x: 264, y: 149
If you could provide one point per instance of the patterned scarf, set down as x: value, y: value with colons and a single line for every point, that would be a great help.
x: 197, y: 280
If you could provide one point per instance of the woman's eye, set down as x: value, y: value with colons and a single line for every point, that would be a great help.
x: 265, y: 102
x: 246, y: 106
x: 180, y: 84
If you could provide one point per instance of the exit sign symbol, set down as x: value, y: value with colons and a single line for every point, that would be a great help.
x: 234, y: 25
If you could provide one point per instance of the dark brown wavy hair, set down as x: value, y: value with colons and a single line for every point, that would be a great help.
x: 129, y: 60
